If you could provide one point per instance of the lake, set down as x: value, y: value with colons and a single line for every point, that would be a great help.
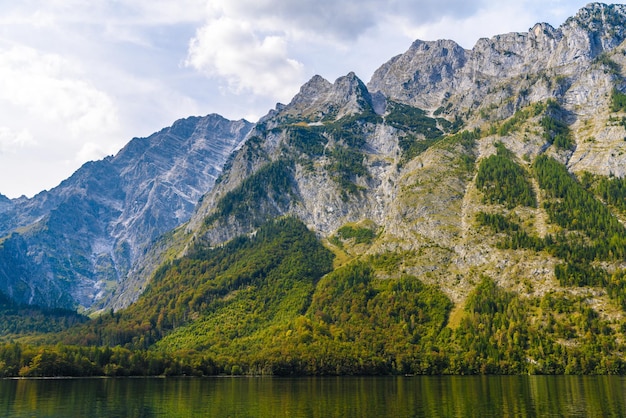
x: 445, y: 396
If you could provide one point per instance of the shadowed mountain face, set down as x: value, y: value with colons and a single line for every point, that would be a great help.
x: 74, y: 244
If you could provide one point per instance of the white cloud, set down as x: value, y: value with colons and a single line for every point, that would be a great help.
x: 99, y: 12
x: 50, y: 109
x: 12, y: 141
x: 323, y: 18
x: 90, y: 151
x: 51, y: 88
x: 270, y: 47
x: 247, y: 58
x: 254, y: 45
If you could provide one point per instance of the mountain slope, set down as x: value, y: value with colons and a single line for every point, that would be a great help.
x: 73, y: 245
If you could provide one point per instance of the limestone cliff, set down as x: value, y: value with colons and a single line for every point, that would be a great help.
x: 75, y: 244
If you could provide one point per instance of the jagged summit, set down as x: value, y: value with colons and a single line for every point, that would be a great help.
x: 430, y: 74
x: 603, y: 22
x: 422, y: 75
x: 319, y: 100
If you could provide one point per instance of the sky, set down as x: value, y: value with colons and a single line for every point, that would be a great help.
x: 81, y: 78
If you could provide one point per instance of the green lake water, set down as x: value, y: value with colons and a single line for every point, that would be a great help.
x: 446, y: 396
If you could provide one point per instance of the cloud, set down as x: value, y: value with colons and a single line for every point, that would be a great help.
x: 322, y: 18
x: 98, y: 12
x: 247, y: 58
x: 51, y: 88
x: 11, y: 141
x: 50, y: 109
x: 252, y: 45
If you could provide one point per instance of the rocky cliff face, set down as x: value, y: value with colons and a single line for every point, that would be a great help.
x: 442, y: 74
x: 73, y: 245
x: 293, y: 129
x: 5, y: 203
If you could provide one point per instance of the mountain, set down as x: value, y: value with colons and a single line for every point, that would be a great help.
x: 492, y: 177
x: 343, y: 156
x: 5, y: 203
x: 73, y: 245
x: 463, y: 212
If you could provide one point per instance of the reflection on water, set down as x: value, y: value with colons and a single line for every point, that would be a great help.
x: 447, y: 396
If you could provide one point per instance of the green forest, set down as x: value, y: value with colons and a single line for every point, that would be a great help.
x: 503, y: 181
x: 271, y: 304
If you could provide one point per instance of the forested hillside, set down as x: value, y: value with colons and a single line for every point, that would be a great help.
x: 261, y: 305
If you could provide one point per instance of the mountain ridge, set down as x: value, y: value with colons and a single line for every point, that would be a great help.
x: 92, y: 228
x: 326, y: 211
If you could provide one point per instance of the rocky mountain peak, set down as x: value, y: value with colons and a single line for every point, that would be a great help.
x: 350, y: 95
x: 319, y: 100
x: 605, y: 20
x: 595, y: 29
x: 312, y: 91
x: 430, y: 75
x: 421, y: 75
x: 5, y: 203
x: 82, y: 239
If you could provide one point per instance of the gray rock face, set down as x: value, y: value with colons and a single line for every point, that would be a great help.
x: 5, y: 203
x: 433, y: 74
x: 423, y: 75
x: 319, y: 100
x: 75, y: 244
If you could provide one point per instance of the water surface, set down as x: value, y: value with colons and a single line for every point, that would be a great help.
x: 446, y: 396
